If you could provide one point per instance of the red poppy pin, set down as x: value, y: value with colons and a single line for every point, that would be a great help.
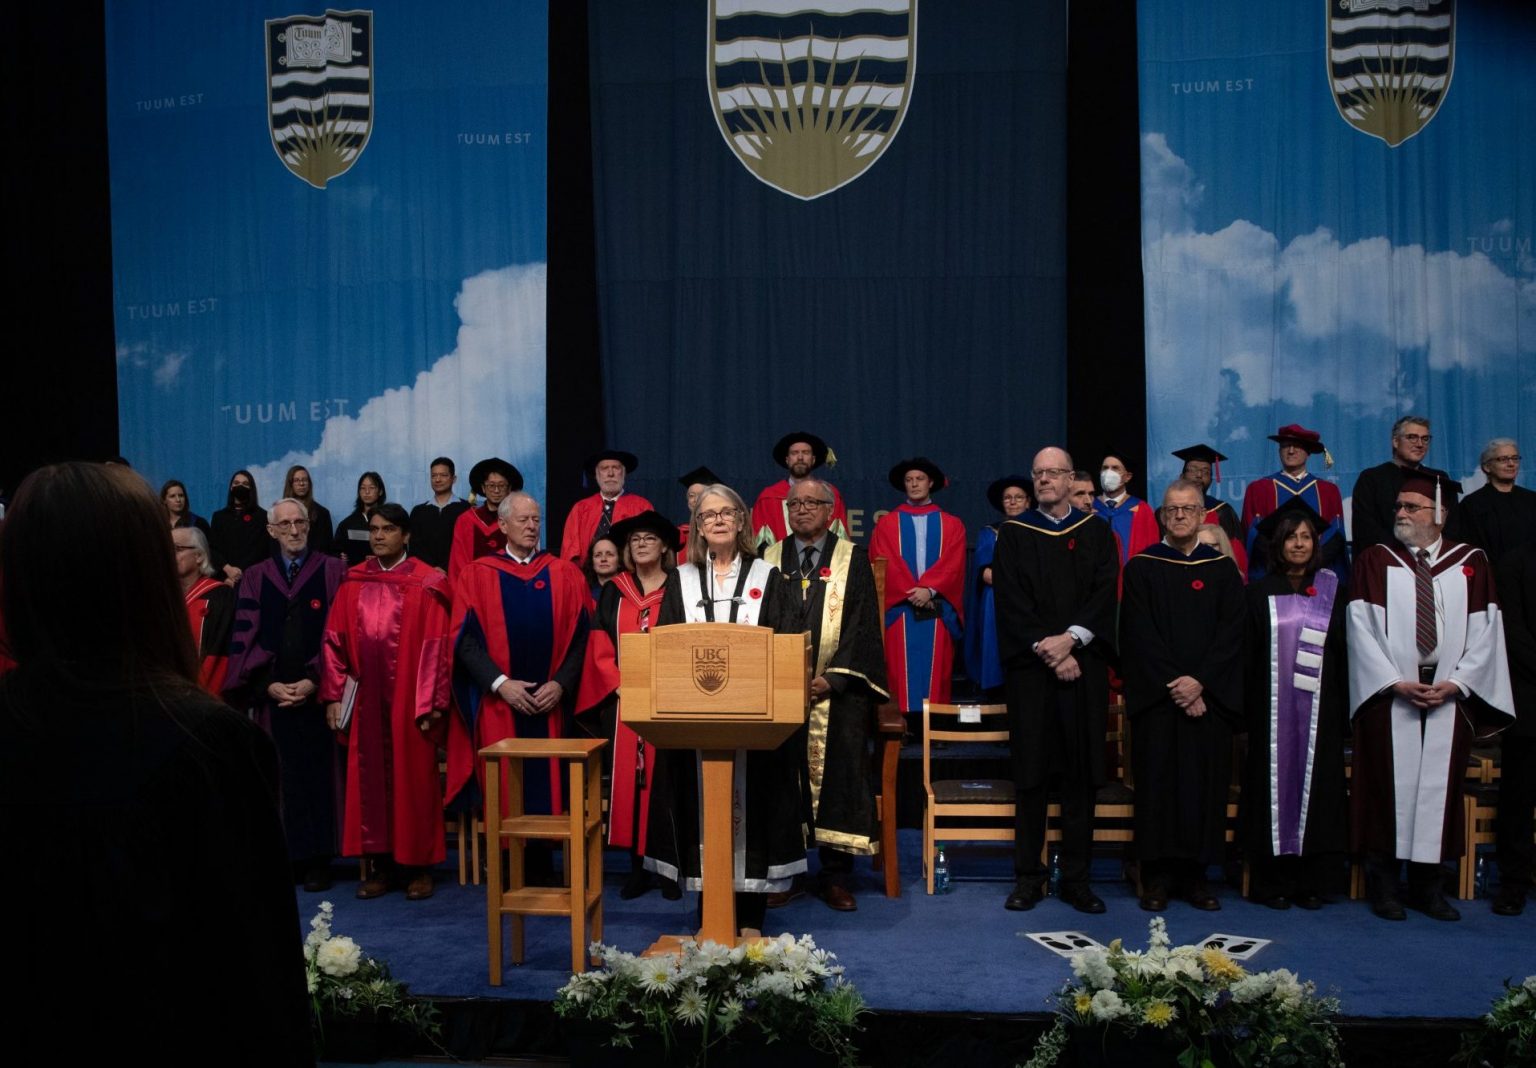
x: 538, y: 584
x: 1197, y: 585
x: 1466, y: 570
x: 246, y: 517
x: 1071, y: 544
x: 826, y: 572
x: 1311, y: 591
x: 754, y: 593
x: 315, y: 604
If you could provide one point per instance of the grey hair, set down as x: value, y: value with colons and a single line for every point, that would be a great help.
x: 504, y: 509
x: 272, y: 508
x: 1420, y: 420
x: 1180, y: 485
x: 200, y: 544
x: 1493, y: 446
x: 698, y: 554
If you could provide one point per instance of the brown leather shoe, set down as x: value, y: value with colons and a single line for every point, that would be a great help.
x: 420, y: 886
x: 838, y: 898
x: 372, y: 887
x: 783, y: 897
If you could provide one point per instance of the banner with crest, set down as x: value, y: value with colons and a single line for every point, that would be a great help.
x: 842, y: 216
x: 328, y: 241
x: 1339, y: 204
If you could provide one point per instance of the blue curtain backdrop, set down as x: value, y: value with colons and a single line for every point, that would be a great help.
x: 917, y: 308
x: 1337, y: 264
x: 394, y: 314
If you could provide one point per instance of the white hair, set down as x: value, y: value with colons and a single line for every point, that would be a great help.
x: 200, y: 546
x: 504, y: 509
x: 273, y: 507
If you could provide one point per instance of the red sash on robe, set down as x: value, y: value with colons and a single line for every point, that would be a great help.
x: 475, y: 534
x: 581, y: 522
x: 211, y: 669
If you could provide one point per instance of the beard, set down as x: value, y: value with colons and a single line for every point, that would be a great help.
x: 1404, y: 531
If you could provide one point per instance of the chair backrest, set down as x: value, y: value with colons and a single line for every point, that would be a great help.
x: 877, y: 564
x: 954, y: 729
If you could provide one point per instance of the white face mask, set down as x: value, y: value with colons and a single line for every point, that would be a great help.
x: 1109, y: 478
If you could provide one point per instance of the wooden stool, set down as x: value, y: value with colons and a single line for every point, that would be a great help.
x: 580, y: 832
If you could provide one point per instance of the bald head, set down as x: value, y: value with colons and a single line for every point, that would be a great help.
x: 1052, y: 472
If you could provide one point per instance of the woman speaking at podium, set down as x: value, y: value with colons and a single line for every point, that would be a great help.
x: 722, y: 582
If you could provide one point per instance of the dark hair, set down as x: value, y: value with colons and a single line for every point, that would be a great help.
x: 135, y: 630
x: 1284, y: 527
x: 445, y: 462
x: 176, y: 483
x: 254, y: 504
x: 1081, y: 476
x: 586, y: 563
x: 394, y: 513
x: 378, y: 480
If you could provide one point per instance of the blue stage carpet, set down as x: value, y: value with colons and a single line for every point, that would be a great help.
x: 963, y: 952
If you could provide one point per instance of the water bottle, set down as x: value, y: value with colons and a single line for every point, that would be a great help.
x: 1054, y: 886
x: 940, y: 872
x: 1480, y: 878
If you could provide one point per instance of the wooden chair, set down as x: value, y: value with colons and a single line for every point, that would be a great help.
x: 890, y: 727
x: 1480, y: 807
x: 963, y: 799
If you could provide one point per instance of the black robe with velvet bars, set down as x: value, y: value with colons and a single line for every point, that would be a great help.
x: 1182, y: 615
x: 839, y: 595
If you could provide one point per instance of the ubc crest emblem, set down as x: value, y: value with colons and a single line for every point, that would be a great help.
x: 1389, y: 62
x: 320, y: 91
x: 711, y: 667
x: 809, y: 93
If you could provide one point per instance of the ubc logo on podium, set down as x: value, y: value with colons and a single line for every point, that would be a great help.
x: 320, y: 91
x: 1390, y: 62
x: 711, y: 667
x: 809, y: 93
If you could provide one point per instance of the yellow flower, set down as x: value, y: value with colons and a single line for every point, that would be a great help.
x: 1159, y: 1014
x: 1083, y: 1003
x: 755, y: 952
x: 1220, y: 966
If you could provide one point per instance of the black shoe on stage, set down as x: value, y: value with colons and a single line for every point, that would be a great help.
x: 1510, y: 901
x: 1082, y: 899
x: 1025, y: 896
x: 1433, y: 904
x: 639, y: 882
x: 1388, y: 908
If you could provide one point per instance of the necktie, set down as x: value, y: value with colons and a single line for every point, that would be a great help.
x: 293, y: 571
x: 1424, y: 604
x: 605, y: 522
x: 807, y: 560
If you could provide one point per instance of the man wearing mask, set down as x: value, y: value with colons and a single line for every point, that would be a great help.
x: 1131, y: 518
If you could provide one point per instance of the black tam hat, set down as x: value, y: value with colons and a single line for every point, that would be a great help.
x: 494, y: 465
x: 698, y: 476
x: 898, y: 475
x: 818, y: 448
x: 995, y: 490
x: 648, y: 522
x: 628, y: 459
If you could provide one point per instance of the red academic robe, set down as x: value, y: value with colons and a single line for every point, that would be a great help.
x: 770, y: 514
x: 475, y: 534
x: 634, y: 759
x: 211, y: 614
x: 387, y: 632
x: 581, y: 522
x: 531, y: 622
x: 920, y: 653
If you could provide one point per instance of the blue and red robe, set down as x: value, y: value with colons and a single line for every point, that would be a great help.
x: 528, y: 622
x: 1267, y: 494
x: 1134, y: 522
x: 920, y: 646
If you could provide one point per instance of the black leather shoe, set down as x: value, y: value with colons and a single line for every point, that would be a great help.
x: 1154, y: 899
x: 1025, y: 896
x: 317, y: 880
x: 1279, y: 902
x: 1308, y: 900
x: 1434, y: 905
x: 1510, y: 901
x: 1388, y: 908
x: 1200, y: 897
x: 670, y: 890
x: 1082, y: 899
x: 638, y: 883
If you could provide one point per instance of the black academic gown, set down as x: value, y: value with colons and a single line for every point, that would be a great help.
x: 351, y: 541
x: 1516, y: 577
x: 321, y: 530
x: 839, y: 793
x: 1327, y: 827
x: 1046, y: 578
x: 1371, y: 506
x: 774, y: 844
x: 1498, y: 522
x: 432, y: 531
x: 238, y: 538
x: 1182, y: 616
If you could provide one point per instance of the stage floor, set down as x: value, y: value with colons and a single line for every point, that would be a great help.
x: 963, y: 952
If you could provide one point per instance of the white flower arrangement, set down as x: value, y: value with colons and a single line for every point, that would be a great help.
x: 1507, y: 1033
x: 343, y: 982
x: 709, y: 996
x: 1200, y: 1000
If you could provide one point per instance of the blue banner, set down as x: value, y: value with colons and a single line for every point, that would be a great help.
x: 841, y: 216
x: 328, y: 233
x: 1339, y: 199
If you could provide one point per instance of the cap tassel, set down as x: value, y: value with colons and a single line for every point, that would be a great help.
x: 831, y: 457
x: 1439, y: 515
x: 1327, y: 457
x: 1216, y: 470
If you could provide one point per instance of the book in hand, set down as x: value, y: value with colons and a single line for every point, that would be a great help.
x: 348, y: 700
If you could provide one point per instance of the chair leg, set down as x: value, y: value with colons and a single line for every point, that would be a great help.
x: 928, y: 836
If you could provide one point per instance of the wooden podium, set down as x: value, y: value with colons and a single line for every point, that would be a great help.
x: 716, y: 688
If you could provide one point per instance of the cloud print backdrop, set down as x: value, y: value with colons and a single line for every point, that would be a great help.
x: 392, y: 316
x: 1298, y: 270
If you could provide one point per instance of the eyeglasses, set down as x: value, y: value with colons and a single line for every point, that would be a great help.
x: 490, y: 484
x: 292, y: 524
x: 643, y: 539
x: 1504, y: 459
x: 1183, y: 509
x: 1410, y: 509
x: 186, y: 548
x: 1051, y: 472
x: 806, y: 504
x: 1416, y: 439
x: 723, y: 513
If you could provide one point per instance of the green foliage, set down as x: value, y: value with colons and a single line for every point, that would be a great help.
x: 1507, y: 1035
